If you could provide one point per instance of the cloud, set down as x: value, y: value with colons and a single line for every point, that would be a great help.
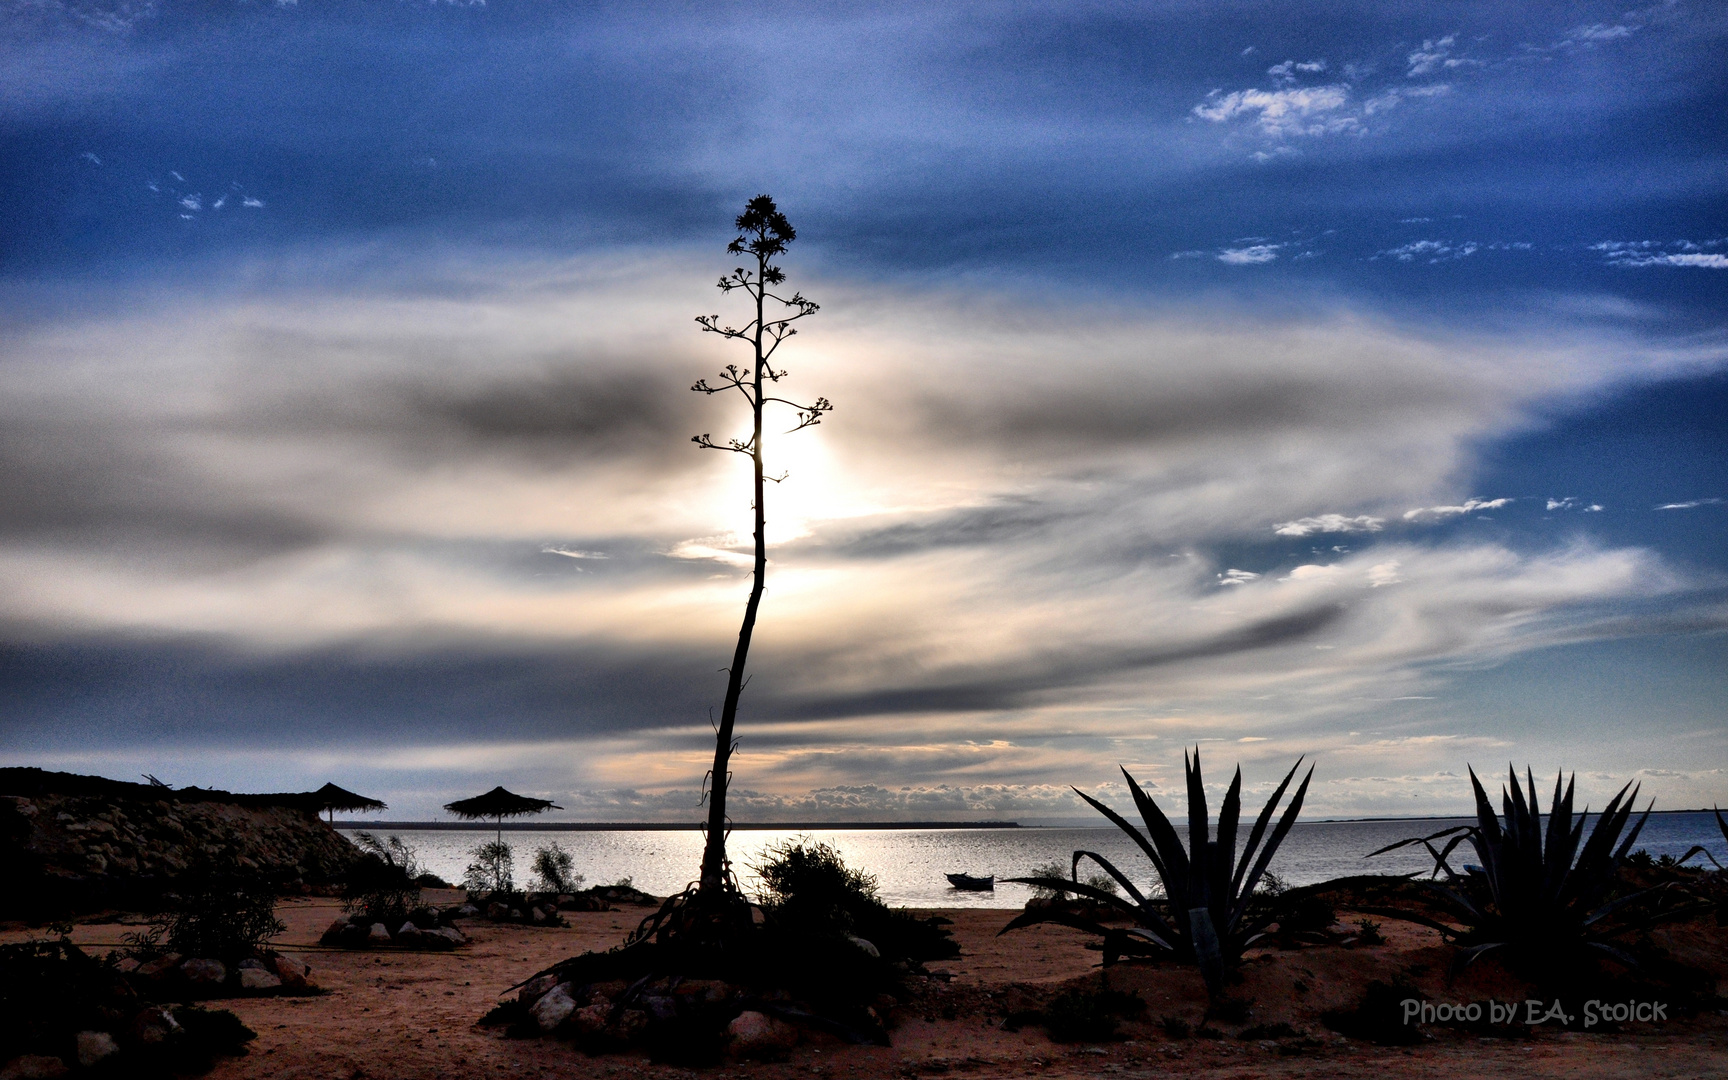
x: 1252, y: 255
x: 256, y: 204
x: 1642, y: 253
x: 1237, y: 577
x: 1431, y: 251
x: 1282, y: 113
x: 1689, y: 505
x: 1328, y: 523
x: 1434, y: 55
x: 1469, y: 506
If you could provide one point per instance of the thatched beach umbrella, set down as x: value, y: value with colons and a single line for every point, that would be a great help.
x: 498, y: 804
x: 331, y: 798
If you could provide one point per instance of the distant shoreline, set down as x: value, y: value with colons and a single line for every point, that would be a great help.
x: 663, y: 826
x: 820, y: 826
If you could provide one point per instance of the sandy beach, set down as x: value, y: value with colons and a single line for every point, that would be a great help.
x: 390, y: 1015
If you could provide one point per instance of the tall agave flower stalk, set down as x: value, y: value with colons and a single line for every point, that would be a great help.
x: 1206, y: 916
x: 1541, y: 890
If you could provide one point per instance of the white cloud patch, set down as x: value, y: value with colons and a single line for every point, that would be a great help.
x: 1237, y: 577
x: 1252, y: 255
x: 1468, y: 506
x: 1329, y: 523
x: 1431, y: 251
x: 1692, y: 504
x: 1385, y: 573
x: 253, y: 203
x: 1642, y: 253
x: 1434, y: 55
x: 1291, y: 112
x: 192, y: 202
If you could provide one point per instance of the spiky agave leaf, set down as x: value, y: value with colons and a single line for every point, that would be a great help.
x: 1208, y: 890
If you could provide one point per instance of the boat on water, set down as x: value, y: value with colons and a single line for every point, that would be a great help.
x: 968, y: 883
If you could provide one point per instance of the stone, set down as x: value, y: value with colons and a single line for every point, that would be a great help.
x: 554, y: 1007
x: 631, y: 1026
x: 159, y: 967
x: 95, y: 1046
x: 497, y: 911
x: 407, y: 928
x: 707, y: 991
x: 467, y: 911
x: 758, y: 1035
x: 33, y: 1067
x: 535, y: 988
x: 258, y: 979
x: 539, y: 916
x: 592, y: 1019
x: 154, y: 1026
x: 204, y: 972
x: 251, y: 962
x: 126, y: 965
x: 294, y: 974
x: 868, y: 948
x: 378, y: 935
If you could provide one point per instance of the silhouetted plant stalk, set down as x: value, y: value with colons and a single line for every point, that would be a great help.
x: 1208, y: 914
x: 763, y: 232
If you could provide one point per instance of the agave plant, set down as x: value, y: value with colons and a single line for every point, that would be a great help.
x: 1538, y: 892
x: 1207, y: 915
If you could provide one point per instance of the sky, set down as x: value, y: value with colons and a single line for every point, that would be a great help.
x: 1346, y: 380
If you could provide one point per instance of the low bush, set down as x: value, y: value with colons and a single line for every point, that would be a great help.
x: 554, y: 870
x: 221, y: 918
x: 491, y: 869
x: 383, y: 885
x: 1081, y: 1016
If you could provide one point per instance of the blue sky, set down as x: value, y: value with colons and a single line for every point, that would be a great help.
x: 1345, y: 380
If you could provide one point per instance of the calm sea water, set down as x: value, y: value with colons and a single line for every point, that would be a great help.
x: 909, y: 864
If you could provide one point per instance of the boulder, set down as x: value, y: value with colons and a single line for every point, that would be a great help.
x: 758, y: 1035
x: 631, y: 1026
x: 554, y: 1007
x: 159, y: 967
x: 497, y: 911
x: 535, y: 988
x: 94, y: 1047
x: 538, y: 916
x: 333, y: 935
x: 33, y: 1067
x: 258, y: 979
x: 154, y: 1026
x: 204, y: 972
x: 379, y: 934
x: 294, y: 974
x: 868, y: 948
x: 126, y: 965
x: 591, y: 1019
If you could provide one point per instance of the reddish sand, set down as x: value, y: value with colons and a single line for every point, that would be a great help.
x: 411, y: 1016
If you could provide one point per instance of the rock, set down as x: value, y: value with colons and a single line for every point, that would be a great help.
x: 535, y: 988
x: 333, y: 935
x: 159, y: 967
x: 203, y: 972
x: 554, y: 1007
x: 707, y: 991
x: 354, y: 936
x: 659, y: 1007
x: 631, y: 1026
x: 294, y: 974
x: 467, y: 911
x: 515, y: 915
x: 868, y: 948
x: 407, y: 928
x: 539, y: 916
x: 33, y: 1067
x: 592, y: 1019
x: 497, y: 911
x: 449, y: 933
x: 154, y: 1026
x: 258, y: 979
x: 126, y: 965
x: 758, y: 1035
x: 95, y: 1046
x: 378, y: 935
x: 251, y: 962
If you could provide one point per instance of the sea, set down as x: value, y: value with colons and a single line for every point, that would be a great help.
x: 909, y: 864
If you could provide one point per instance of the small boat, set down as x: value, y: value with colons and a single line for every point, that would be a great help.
x: 968, y: 883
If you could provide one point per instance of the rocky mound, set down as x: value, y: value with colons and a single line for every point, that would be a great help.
x: 76, y: 843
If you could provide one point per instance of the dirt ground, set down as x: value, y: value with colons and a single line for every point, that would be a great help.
x: 411, y: 1015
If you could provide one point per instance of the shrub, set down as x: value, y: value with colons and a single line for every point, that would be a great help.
x: 807, y: 887
x: 554, y: 870
x: 220, y: 918
x: 383, y: 885
x: 1378, y: 1016
x: 1209, y: 913
x: 1078, y: 1016
x: 492, y: 868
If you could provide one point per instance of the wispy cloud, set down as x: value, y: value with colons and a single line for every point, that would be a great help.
x: 1252, y: 255
x: 1292, y: 112
x: 1689, y: 505
x: 1469, y: 506
x: 1329, y: 523
x: 1642, y: 253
